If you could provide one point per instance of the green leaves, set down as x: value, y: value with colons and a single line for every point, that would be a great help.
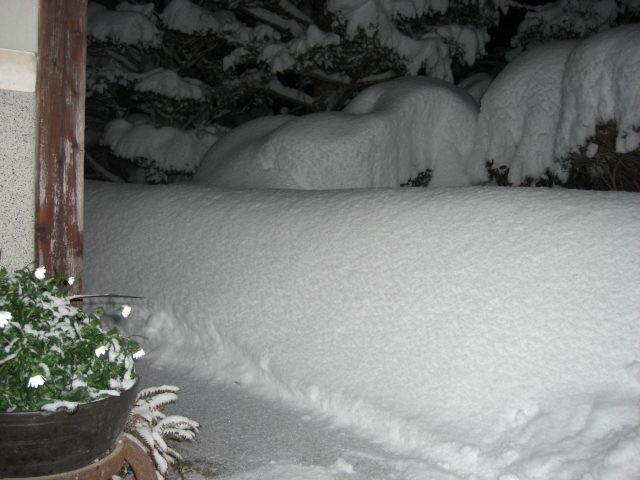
x: 52, y: 351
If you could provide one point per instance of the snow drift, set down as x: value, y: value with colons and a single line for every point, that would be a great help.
x: 388, y: 134
x: 489, y: 333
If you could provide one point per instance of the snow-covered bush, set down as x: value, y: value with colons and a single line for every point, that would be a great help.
x: 548, y: 114
x: 519, y: 116
x: 150, y: 428
x: 572, y: 19
x: 600, y: 86
x: 199, y: 68
x: 388, y: 134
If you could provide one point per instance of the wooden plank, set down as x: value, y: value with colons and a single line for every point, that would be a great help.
x: 60, y: 93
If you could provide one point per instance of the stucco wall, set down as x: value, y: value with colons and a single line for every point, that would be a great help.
x: 18, y: 44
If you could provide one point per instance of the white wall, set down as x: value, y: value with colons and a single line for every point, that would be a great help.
x: 18, y: 47
x: 19, y: 25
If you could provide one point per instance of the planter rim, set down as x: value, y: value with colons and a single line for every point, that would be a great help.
x: 47, y: 413
x: 39, y: 443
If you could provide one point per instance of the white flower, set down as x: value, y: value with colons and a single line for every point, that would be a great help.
x: 71, y: 280
x: 4, y: 318
x: 138, y: 354
x: 35, y: 382
x: 39, y: 273
x: 100, y: 351
x: 126, y: 311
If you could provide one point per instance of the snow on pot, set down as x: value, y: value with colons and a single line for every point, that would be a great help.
x: 34, y: 444
x: 63, y: 378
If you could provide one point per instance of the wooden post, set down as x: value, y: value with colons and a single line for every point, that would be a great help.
x: 60, y: 93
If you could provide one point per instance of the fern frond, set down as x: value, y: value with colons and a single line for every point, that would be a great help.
x: 175, y: 455
x: 151, y: 416
x: 143, y: 433
x: 160, y: 443
x: 161, y: 463
x: 178, y: 421
x: 179, y: 434
x: 152, y: 391
x: 151, y: 429
x: 139, y: 415
x: 160, y: 400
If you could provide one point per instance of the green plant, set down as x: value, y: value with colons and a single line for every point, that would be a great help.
x: 52, y: 354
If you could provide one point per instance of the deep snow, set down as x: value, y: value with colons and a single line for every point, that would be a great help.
x: 482, y: 332
x: 472, y: 333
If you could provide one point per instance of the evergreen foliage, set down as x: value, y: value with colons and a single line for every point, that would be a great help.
x: 204, y: 67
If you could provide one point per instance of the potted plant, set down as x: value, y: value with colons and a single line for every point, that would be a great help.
x: 67, y: 385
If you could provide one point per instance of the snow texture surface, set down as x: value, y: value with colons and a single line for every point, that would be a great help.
x: 388, y: 134
x: 485, y: 333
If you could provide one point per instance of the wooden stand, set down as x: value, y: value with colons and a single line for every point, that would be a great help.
x: 123, y: 450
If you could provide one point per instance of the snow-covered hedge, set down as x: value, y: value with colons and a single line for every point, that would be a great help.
x: 572, y: 19
x: 189, y: 65
x: 387, y: 135
x: 546, y: 104
x: 542, y: 108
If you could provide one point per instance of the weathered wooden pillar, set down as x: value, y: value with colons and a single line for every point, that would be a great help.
x: 60, y: 92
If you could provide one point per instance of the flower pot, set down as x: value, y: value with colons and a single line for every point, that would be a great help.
x: 34, y: 444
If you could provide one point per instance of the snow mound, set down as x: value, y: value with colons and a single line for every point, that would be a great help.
x: 476, y: 85
x: 388, y: 134
x: 519, y: 114
x: 547, y: 102
x: 601, y: 83
x: 487, y: 333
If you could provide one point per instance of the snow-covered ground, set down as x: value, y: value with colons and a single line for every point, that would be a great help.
x: 478, y: 332
x: 469, y: 333
x: 250, y: 437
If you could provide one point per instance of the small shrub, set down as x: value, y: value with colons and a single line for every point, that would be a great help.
x: 597, y: 165
x: 422, y: 179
